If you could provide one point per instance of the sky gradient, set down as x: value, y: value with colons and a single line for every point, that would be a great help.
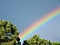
x: 23, y: 13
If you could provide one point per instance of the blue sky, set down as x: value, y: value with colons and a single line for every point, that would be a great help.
x: 23, y: 13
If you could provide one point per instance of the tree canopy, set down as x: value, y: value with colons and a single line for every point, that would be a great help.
x: 8, y: 32
x: 36, y: 40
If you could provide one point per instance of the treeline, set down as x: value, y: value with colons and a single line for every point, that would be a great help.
x: 36, y: 40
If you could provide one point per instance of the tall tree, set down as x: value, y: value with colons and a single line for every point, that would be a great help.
x: 8, y: 32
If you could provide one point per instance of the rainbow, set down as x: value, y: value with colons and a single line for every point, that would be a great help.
x: 39, y: 23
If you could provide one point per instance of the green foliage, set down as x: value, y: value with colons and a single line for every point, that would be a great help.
x: 36, y: 40
x: 8, y: 32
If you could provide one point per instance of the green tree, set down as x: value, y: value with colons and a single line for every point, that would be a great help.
x: 8, y: 32
x: 36, y: 40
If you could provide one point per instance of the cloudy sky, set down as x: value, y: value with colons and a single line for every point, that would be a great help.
x: 24, y: 13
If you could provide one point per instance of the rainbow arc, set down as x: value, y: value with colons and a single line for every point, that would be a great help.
x: 39, y: 23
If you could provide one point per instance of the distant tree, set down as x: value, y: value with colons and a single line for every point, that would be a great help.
x: 35, y: 40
